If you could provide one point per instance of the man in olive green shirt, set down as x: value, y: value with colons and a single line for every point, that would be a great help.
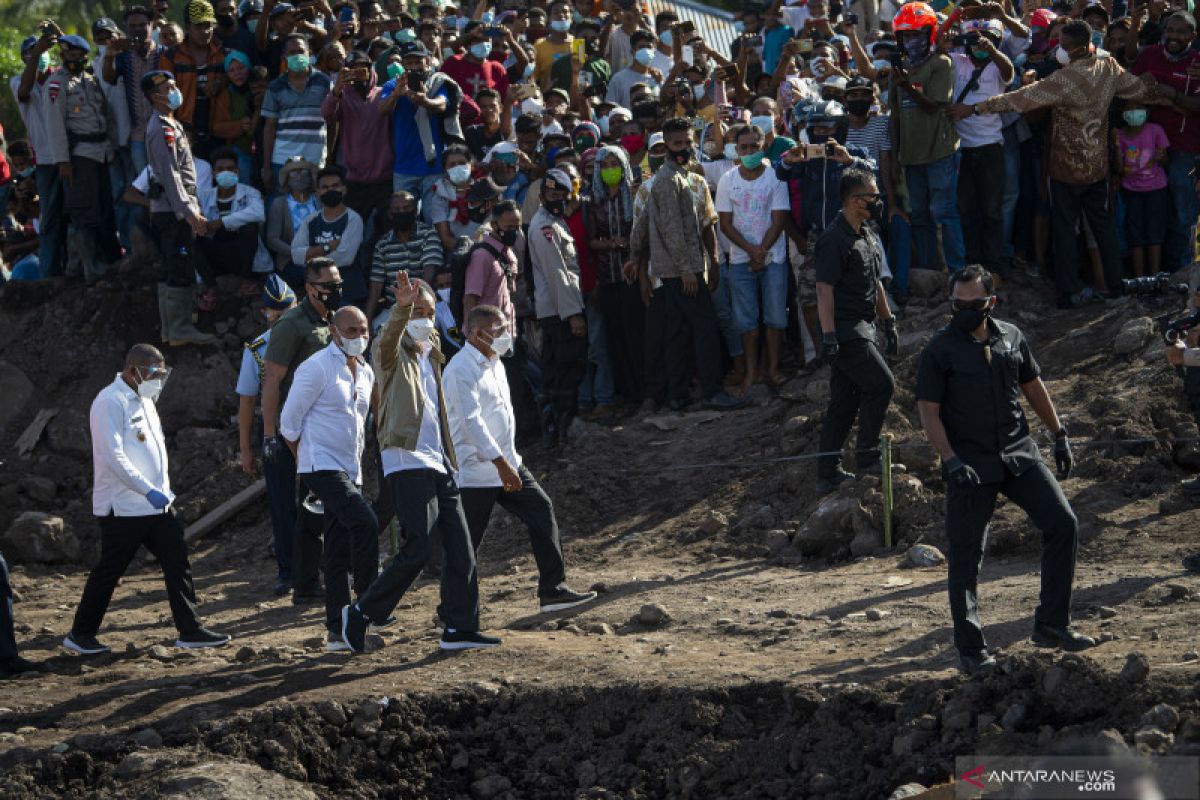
x: 298, y: 334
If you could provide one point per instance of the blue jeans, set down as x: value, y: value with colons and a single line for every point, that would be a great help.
x: 416, y: 185
x: 899, y: 254
x: 52, y: 227
x: 1183, y: 197
x: 1012, y: 188
x: 597, y: 388
x: 137, y: 153
x: 723, y: 305
x: 118, y: 180
x: 933, y: 198
x: 747, y: 286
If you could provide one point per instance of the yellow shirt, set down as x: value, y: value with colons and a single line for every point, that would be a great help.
x: 545, y: 53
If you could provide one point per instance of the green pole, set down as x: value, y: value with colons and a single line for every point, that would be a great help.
x: 885, y: 453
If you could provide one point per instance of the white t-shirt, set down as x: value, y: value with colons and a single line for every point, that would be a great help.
x: 751, y: 203
x: 977, y: 131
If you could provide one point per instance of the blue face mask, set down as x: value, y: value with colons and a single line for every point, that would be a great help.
x: 666, y: 38
x: 297, y: 62
x: 1135, y: 117
x: 764, y: 123
x: 460, y: 174
x: 227, y: 179
x: 739, y: 26
x: 174, y: 98
x: 754, y: 160
x: 560, y: 25
x: 43, y: 62
x: 481, y: 50
x: 252, y: 25
x: 644, y: 56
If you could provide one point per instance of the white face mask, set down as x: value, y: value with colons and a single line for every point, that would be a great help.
x: 698, y: 91
x: 150, y: 390
x: 1062, y: 56
x: 731, y: 151
x: 419, y: 330
x: 354, y: 347
x: 502, y: 344
x: 443, y: 295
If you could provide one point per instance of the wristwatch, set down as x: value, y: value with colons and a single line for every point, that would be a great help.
x: 325, y: 248
x: 1062, y: 431
x: 975, y: 109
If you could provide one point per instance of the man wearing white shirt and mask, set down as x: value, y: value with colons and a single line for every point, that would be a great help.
x: 483, y: 429
x: 324, y: 422
x: 418, y: 463
x: 132, y: 498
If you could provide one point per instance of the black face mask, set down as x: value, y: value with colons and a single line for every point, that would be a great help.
x: 876, y: 209
x: 968, y: 319
x: 403, y: 220
x: 858, y: 108
x: 556, y: 207
x: 682, y: 157
x: 226, y: 20
x: 330, y: 298
x: 507, y: 238
x: 73, y: 67
x: 331, y: 199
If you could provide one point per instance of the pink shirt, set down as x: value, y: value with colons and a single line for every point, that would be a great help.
x: 486, y: 279
x: 1142, y: 174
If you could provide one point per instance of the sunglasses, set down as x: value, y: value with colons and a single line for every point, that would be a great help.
x: 329, y: 285
x: 978, y: 304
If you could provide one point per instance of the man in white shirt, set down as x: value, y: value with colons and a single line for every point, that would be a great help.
x: 418, y: 463
x: 132, y: 498
x: 483, y: 428
x: 324, y: 422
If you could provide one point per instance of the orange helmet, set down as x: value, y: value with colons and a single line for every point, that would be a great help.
x: 914, y: 17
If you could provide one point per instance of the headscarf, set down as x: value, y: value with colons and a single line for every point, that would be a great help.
x: 599, y: 190
x: 589, y: 128
x: 237, y: 55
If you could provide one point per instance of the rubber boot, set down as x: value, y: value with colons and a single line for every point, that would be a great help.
x: 77, y: 253
x: 164, y: 328
x: 94, y: 267
x: 179, y: 318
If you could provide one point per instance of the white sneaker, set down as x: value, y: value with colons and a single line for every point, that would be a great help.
x: 336, y: 645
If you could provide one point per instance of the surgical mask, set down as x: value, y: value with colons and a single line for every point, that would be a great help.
x: 252, y: 25
x: 881, y: 64
x: 227, y: 179
x: 150, y: 390
x: 560, y: 25
x: 1062, y: 56
x: 100, y: 50
x: 754, y: 160
x: 611, y: 175
x: 968, y: 319
x: 43, y: 62
x: 420, y: 329
x: 731, y: 151
x: 507, y: 237
x: 764, y: 123
x: 502, y: 344
x: 443, y: 295
x: 602, y: 123
x: 644, y: 56
x: 528, y: 72
x: 331, y: 199
x: 488, y: 17
x: 481, y: 50
x: 698, y: 91
x: 982, y: 55
x: 858, y: 108
x: 353, y: 347
x: 1098, y: 39
x: 174, y: 98
x: 666, y: 37
x: 459, y: 174
x: 739, y: 26
x: 297, y: 62
x: 1135, y: 117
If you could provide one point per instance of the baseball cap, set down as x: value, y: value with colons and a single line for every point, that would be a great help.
x: 281, y: 8
x: 655, y: 140
x: 105, y: 24
x: 199, y: 11
x: 1042, y: 18
x: 414, y: 48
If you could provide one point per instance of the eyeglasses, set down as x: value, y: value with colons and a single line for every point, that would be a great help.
x: 154, y: 373
x: 978, y: 304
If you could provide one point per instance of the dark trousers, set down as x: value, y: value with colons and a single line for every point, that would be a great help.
x: 280, y: 475
x: 82, y: 197
x: 8, y: 639
x: 625, y: 323
x: 52, y: 228
x: 968, y: 511
x: 522, y: 389
x: 364, y: 198
x: 564, y: 360
x: 981, y: 204
x: 532, y: 506
x: 351, y: 540
x: 304, y: 550
x: 120, y: 538
x: 229, y: 253
x: 1067, y: 204
x: 692, y: 337
x: 860, y: 385
x: 177, y: 244
x: 655, y: 375
x: 426, y: 500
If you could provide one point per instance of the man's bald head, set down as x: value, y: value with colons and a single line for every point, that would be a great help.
x: 144, y: 355
x: 348, y: 316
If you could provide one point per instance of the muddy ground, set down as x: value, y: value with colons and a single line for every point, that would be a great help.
x: 786, y: 659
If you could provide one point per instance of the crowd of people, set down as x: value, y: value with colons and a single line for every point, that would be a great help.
x: 580, y: 210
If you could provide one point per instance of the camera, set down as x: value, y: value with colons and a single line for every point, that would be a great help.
x: 897, y: 60
x: 753, y: 40
x: 1154, y: 285
x: 416, y: 80
x: 852, y: 19
x: 1174, y: 330
x: 968, y: 39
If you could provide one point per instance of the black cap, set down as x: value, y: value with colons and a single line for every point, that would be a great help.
x: 483, y: 190
x: 413, y: 48
x: 105, y: 24
x: 859, y: 82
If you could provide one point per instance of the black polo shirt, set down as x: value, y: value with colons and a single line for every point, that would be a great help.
x: 852, y: 264
x: 978, y: 385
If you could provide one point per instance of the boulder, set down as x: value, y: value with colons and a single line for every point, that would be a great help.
x: 39, y: 489
x: 652, y: 614
x: 490, y: 786
x: 198, y: 395
x: 924, y: 555
x: 776, y: 540
x: 70, y: 434
x: 230, y: 780
x: 829, y: 527
x: 1133, y: 336
x: 817, y: 390
x: 713, y: 523
x: 37, y: 538
x: 1136, y: 669
x: 926, y: 282
x: 16, y: 389
x: 1162, y: 716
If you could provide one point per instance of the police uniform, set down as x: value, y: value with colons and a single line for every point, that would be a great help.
x: 81, y: 131
x: 860, y: 383
x: 978, y: 386
x: 172, y: 197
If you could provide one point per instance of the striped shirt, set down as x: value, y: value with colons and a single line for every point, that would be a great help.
x: 875, y: 137
x: 422, y: 251
x: 300, y: 130
x: 130, y: 67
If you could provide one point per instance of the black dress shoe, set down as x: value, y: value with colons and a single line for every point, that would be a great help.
x: 307, y: 598
x: 1067, y: 639
x: 971, y: 663
x: 282, y: 587
x: 18, y: 666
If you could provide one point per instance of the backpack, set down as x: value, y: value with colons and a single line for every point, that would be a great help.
x: 460, y: 259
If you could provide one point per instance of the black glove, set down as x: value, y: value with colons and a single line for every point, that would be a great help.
x: 272, y: 448
x: 891, y: 338
x: 829, y: 346
x: 1062, y: 454
x: 962, y: 474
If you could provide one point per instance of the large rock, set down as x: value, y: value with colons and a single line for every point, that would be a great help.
x: 197, y: 395
x: 1133, y: 335
x: 229, y: 780
x: 69, y: 433
x: 37, y: 538
x: 16, y: 389
x: 829, y: 527
x: 926, y: 282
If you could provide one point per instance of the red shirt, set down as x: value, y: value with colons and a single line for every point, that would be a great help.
x: 587, y: 272
x: 473, y: 77
x: 1182, y: 132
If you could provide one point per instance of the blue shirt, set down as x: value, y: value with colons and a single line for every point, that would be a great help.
x: 408, y: 155
x: 773, y: 42
x: 249, y: 382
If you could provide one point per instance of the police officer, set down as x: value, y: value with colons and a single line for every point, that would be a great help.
x: 970, y: 380
x: 81, y: 139
x: 174, y: 210
x: 849, y: 264
x: 277, y: 299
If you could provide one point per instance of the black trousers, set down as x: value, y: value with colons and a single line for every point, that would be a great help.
x: 305, y: 551
x: 692, y: 337
x: 8, y: 638
x: 655, y: 374
x: 351, y: 540
x: 532, y: 506
x: 229, y: 253
x: 968, y: 511
x: 625, y: 323
x: 1067, y: 205
x: 860, y: 386
x: 981, y: 176
x: 177, y: 243
x: 120, y: 538
x: 426, y: 500
x: 363, y: 198
x: 564, y: 361
x: 82, y: 196
x: 524, y: 396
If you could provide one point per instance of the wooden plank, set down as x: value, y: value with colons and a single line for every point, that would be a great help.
x: 29, y: 439
x: 221, y: 513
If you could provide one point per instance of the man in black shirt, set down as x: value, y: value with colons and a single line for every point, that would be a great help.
x: 970, y: 380
x: 849, y: 261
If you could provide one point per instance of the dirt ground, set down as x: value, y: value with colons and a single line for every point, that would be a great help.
x: 782, y: 660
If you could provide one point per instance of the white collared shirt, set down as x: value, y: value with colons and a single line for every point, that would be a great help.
x: 326, y: 409
x: 482, y: 425
x: 428, y: 454
x: 129, y: 453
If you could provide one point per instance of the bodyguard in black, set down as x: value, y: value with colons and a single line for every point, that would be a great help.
x: 849, y: 262
x: 970, y: 381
